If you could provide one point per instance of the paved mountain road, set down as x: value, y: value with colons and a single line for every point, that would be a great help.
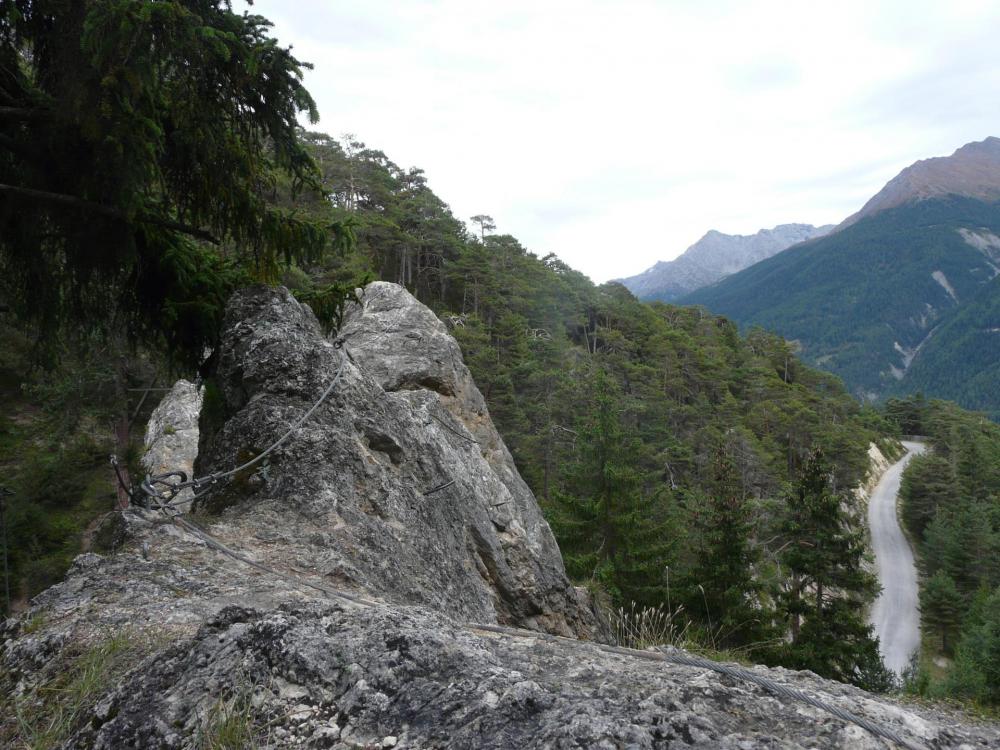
x: 895, y: 614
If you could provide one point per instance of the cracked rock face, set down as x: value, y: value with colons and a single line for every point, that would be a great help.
x: 398, y: 489
x: 316, y: 673
x: 406, y: 488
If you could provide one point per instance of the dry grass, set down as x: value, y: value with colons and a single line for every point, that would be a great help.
x: 645, y: 627
x: 48, y: 714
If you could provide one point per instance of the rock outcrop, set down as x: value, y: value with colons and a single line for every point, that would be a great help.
x: 403, y: 499
x: 398, y: 492
x: 172, y: 435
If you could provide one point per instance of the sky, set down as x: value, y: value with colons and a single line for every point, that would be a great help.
x: 615, y: 134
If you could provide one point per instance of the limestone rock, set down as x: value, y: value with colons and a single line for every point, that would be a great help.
x: 407, y: 489
x: 326, y: 674
x: 408, y: 350
x: 172, y: 434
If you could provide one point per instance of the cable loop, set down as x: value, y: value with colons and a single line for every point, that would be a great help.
x: 157, y: 491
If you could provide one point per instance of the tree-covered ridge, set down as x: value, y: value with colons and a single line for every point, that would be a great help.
x: 951, y: 506
x: 153, y: 164
x: 961, y: 361
x: 906, y: 286
x: 666, y: 449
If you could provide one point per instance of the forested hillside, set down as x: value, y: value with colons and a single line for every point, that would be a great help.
x: 951, y: 506
x: 961, y: 361
x: 898, y: 301
x: 673, y: 457
x: 682, y: 466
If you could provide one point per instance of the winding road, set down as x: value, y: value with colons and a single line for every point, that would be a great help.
x: 895, y: 615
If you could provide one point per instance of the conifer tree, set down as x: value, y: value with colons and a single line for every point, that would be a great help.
x: 611, y: 529
x: 828, y: 587
x: 976, y: 673
x: 723, y: 579
x: 140, y: 146
x: 941, y: 606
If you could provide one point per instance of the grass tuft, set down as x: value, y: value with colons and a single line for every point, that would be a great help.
x: 644, y: 627
x: 229, y: 724
x: 48, y: 714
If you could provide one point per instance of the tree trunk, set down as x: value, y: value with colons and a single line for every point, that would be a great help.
x: 121, y: 429
x: 796, y: 619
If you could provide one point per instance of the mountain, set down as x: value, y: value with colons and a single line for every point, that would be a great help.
x: 903, y: 295
x: 715, y: 256
x: 973, y: 171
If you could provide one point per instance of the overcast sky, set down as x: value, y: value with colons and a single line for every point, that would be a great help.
x: 615, y: 134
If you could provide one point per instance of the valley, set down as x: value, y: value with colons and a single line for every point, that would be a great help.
x: 901, y: 298
x: 455, y: 485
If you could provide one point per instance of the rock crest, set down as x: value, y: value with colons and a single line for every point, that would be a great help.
x: 408, y: 487
x: 172, y: 434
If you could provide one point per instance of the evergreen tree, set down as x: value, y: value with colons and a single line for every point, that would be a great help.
x: 824, y: 602
x: 724, y: 573
x: 140, y: 146
x: 941, y: 606
x: 928, y: 484
x: 976, y: 673
x: 610, y: 529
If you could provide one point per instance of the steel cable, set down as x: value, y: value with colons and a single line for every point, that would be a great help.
x: 777, y: 688
x: 673, y: 656
x: 157, y: 498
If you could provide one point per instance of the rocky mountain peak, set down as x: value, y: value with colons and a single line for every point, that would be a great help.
x: 715, y: 256
x: 973, y: 171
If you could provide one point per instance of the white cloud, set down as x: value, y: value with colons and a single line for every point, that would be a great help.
x: 616, y: 133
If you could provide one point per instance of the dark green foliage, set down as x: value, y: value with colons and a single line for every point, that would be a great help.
x: 57, y: 490
x: 54, y: 446
x: 951, y: 501
x: 329, y: 302
x: 134, y: 132
x: 929, y: 484
x: 724, y: 575
x: 941, y: 606
x: 824, y: 602
x: 611, y: 531
x: 976, y: 673
x: 837, y: 643
x: 850, y: 297
x: 961, y: 361
x: 908, y: 415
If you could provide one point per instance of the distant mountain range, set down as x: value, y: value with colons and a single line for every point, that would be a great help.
x: 902, y: 296
x: 715, y: 256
